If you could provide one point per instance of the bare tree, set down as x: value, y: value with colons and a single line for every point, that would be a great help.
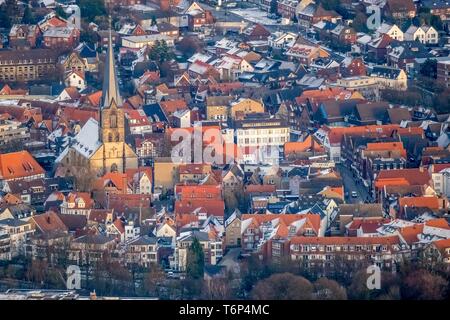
x: 326, y: 289
x: 283, y: 286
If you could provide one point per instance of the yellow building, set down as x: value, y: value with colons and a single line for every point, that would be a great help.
x: 217, y: 107
x: 165, y: 173
x: 245, y: 106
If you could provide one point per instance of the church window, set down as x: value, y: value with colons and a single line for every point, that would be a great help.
x: 117, y: 137
x: 110, y: 138
x: 113, y: 121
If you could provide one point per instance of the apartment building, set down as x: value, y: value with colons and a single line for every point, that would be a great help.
x: 217, y: 107
x: 142, y: 251
x: 5, y: 245
x: 385, y: 252
x: 259, y: 131
x: 12, y: 131
x: 27, y: 65
x: 443, y: 72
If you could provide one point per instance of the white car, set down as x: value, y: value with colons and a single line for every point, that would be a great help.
x: 354, y: 194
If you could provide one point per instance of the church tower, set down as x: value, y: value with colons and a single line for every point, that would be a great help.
x: 112, y: 118
x: 101, y: 146
x: 115, y: 154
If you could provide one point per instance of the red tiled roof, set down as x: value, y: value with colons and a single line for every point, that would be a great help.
x: 99, y: 215
x: 403, y: 177
x: 438, y: 167
x: 119, y: 225
x: 211, y: 206
x: 308, y: 144
x: 438, y: 223
x: 172, y: 106
x: 72, y: 92
x: 420, y: 202
x: 136, y: 118
x: 335, y: 134
x: 312, y: 220
x: 194, y: 168
x: 76, y: 114
x: 442, y: 245
x: 86, y: 197
x: 385, y: 146
x: 368, y: 225
x: 49, y: 222
x: 132, y: 172
x: 260, y: 188
x: 410, y: 234
x: 95, y: 98
x: 16, y: 165
x: 391, y: 240
x: 119, y: 180
x: 187, y: 192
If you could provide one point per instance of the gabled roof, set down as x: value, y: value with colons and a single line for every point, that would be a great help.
x: 412, y: 176
x: 16, y: 165
x: 94, y: 239
x: 427, y: 202
x: 49, y: 222
x: 86, y: 142
x: 390, y: 240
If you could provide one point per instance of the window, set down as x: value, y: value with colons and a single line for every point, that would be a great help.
x: 113, y: 121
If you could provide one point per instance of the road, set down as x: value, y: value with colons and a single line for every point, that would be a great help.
x: 352, y: 184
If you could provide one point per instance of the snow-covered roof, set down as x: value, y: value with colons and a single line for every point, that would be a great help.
x: 199, y: 56
x: 86, y: 141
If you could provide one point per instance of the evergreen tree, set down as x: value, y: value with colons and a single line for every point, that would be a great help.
x: 195, y: 260
x: 8, y: 13
x: 5, y: 21
x: 28, y: 17
x: 274, y: 6
x: 60, y: 12
x: 91, y: 9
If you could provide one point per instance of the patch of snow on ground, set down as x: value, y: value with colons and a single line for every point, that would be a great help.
x: 255, y: 15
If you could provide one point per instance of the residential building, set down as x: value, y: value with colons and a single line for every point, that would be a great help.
x: 27, y: 65
x: 23, y: 36
x: 443, y: 72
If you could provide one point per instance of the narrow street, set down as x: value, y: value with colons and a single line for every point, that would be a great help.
x: 352, y: 183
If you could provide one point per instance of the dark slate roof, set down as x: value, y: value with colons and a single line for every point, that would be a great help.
x: 94, y: 239
x: 371, y: 111
x: 12, y: 222
x: 214, y: 270
x: 385, y: 72
x: 142, y: 241
x: 201, y: 236
x: 435, y: 4
x: 73, y: 222
x: 155, y: 112
x: 141, y: 67
x: 277, y: 207
x: 87, y: 52
x: 41, y: 89
x: 299, y: 171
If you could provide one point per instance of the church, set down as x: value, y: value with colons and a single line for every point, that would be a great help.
x: 101, y: 147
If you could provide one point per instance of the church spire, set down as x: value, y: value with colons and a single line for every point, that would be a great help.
x: 110, y: 88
